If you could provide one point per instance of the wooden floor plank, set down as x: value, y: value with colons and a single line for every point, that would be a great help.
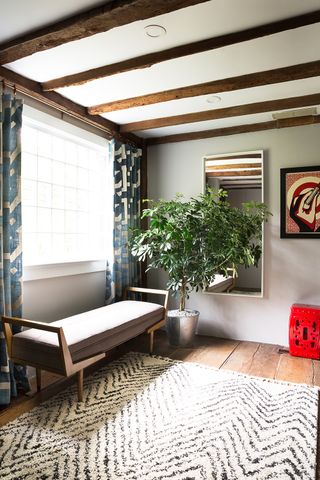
x: 295, y: 369
x: 242, y: 357
x: 316, y: 372
x: 265, y: 361
x: 214, y: 354
x: 246, y: 357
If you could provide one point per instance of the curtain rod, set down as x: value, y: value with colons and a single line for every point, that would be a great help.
x: 16, y: 87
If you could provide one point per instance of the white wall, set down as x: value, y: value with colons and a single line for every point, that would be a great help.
x: 50, y: 299
x: 291, y: 267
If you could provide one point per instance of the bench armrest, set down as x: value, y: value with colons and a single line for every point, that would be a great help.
x: 64, y: 349
x: 155, y: 291
x: 30, y: 324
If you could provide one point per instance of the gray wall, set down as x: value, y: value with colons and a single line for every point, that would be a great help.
x: 291, y: 266
x: 51, y: 299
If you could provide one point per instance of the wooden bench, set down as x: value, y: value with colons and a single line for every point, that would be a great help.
x: 69, y: 345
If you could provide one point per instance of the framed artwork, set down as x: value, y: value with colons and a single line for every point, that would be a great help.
x: 300, y: 202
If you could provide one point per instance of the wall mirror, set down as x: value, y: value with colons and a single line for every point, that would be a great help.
x: 241, y: 175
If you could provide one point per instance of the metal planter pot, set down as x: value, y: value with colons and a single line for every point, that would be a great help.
x: 181, y: 327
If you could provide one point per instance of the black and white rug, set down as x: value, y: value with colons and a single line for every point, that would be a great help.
x: 148, y: 418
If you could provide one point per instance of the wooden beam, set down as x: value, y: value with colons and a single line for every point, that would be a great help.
x: 234, y: 157
x: 217, y: 168
x: 96, y: 20
x: 256, y: 79
x: 33, y: 89
x: 235, y: 173
x: 235, y: 111
x: 150, y: 59
x: 221, y: 132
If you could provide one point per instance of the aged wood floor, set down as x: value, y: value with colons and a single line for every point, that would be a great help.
x: 263, y: 360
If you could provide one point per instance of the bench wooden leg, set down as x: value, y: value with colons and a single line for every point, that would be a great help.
x: 151, y: 342
x: 80, y: 385
x: 38, y: 376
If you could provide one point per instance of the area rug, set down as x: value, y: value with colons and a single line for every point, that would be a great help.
x: 146, y: 418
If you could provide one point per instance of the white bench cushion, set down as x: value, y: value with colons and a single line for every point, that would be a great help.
x: 88, y: 333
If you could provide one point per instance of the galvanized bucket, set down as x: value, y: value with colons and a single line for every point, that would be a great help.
x: 181, y: 327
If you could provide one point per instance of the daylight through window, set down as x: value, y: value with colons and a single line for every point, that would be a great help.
x: 66, y: 200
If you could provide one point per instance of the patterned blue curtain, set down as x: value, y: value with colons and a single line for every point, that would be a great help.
x: 11, y: 377
x: 127, y: 162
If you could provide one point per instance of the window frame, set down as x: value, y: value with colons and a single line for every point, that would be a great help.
x: 63, y: 129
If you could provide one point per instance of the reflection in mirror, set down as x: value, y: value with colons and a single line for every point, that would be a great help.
x: 241, y: 175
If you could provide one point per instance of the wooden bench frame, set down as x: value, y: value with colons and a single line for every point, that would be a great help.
x: 70, y: 367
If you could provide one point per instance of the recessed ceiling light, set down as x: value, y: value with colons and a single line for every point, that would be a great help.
x: 155, y: 31
x: 213, y: 99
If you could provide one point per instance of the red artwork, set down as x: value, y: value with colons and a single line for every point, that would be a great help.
x: 300, y: 202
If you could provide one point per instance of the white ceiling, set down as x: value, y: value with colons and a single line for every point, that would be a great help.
x: 184, y: 26
x: 19, y: 16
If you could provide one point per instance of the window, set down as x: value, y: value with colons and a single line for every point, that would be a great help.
x: 66, y: 194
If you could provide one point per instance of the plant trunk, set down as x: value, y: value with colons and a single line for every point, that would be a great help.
x: 183, y: 294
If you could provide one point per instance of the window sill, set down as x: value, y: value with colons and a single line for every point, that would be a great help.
x: 53, y: 270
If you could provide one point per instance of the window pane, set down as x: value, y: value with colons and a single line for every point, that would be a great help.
x: 44, y: 246
x: 70, y: 198
x: 44, y: 144
x: 29, y: 219
x: 82, y: 200
x: 29, y: 166
x: 29, y: 139
x: 83, y: 157
x: 58, y: 149
x: 70, y: 245
x: 70, y: 222
x: 83, y: 222
x: 44, y: 194
x: 71, y: 153
x: 66, y: 215
x: 70, y: 176
x: 58, y: 221
x: 44, y: 169
x: 83, y: 178
x: 57, y: 196
x: 58, y: 250
x: 44, y: 220
x: 29, y: 193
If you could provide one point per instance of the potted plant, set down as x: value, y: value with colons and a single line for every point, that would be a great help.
x: 195, y: 240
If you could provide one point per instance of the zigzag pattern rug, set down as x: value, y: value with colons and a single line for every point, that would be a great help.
x: 148, y: 418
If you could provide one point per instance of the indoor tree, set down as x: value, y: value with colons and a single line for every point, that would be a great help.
x: 196, y: 239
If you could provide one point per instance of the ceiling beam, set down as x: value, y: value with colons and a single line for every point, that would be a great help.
x: 244, y: 156
x: 214, y: 168
x: 235, y: 111
x: 33, y: 89
x: 256, y: 79
x: 213, y: 43
x: 96, y: 20
x: 235, y: 173
x: 221, y: 132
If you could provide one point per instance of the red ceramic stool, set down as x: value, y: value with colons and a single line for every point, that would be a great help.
x: 304, y: 331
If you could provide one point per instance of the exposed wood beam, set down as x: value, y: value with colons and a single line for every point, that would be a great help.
x: 221, y: 132
x: 148, y: 60
x: 235, y: 111
x: 234, y: 157
x: 241, y: 187
x: 235, y: 173
x: 33, y: 89
x: 256, y: 79
x: 96, y: 20
x: 218, y: 168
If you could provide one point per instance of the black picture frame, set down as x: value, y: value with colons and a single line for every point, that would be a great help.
x: 300, y: 202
